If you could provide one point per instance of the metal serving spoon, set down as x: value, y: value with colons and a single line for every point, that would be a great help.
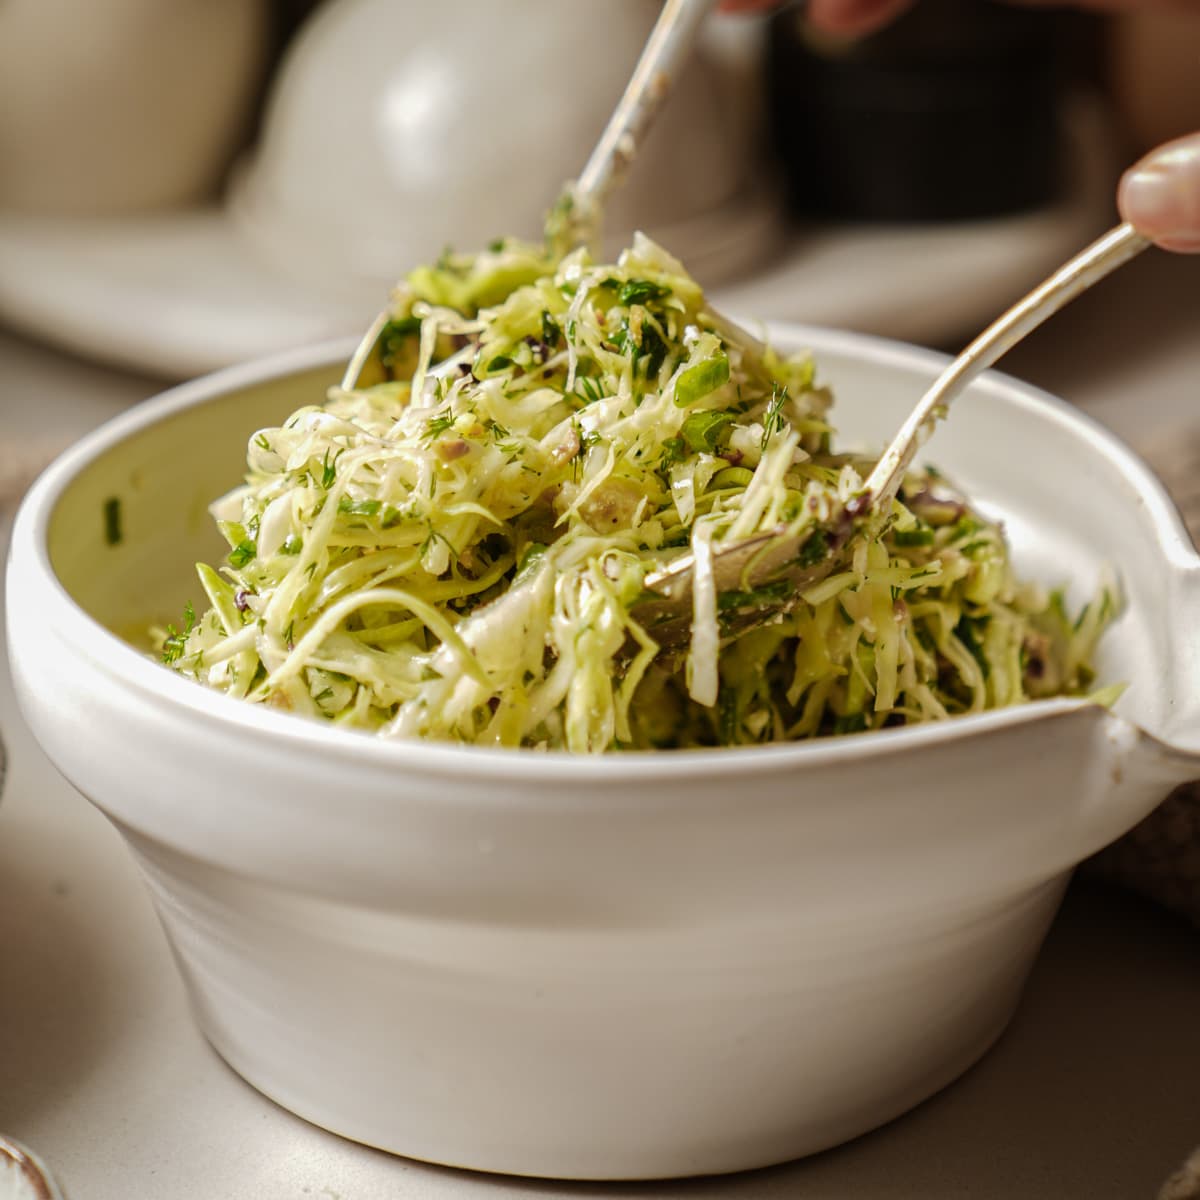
x: 1160, y: 199
x: 667, y: 48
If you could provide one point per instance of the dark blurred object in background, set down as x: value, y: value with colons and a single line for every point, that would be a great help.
x: 1153, y: 64
x: 289, y: 16
x: 949, y: 113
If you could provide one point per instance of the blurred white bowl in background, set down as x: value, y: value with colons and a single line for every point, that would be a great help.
x: 126, y: 105
x: 395, y: 129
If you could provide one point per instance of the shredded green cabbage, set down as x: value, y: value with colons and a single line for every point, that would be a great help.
x: 459, y: 553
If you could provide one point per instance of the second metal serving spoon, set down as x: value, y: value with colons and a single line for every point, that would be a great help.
x: 1161, y: 193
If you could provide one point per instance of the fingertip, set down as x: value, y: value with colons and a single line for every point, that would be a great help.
x: 854, y: 18
x: 1160, y: 195
x: 747, y: 6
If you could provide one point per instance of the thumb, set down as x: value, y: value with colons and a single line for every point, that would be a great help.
x: 1160, y: 195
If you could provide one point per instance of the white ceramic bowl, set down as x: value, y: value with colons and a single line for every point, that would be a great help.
x: 627, y: 966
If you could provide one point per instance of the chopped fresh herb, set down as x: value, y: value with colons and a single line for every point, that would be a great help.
x: 433, y: 537
x: 814, y: 550
x: 969, y: 632
x: 113, y: 535
x: 773, y: 419
x: 648, y: 353
x: 395, y: 341
x: 850, y: 723
x: 641, y: 291
x: 587, y: 389
x: 329, y: 469
x: 242, y: 553
x: 912, y: 537
x: 175, y: 643
x: 768, y: 595
x: 438, y: 425
x: 654, y: 351
x: 359, y: 508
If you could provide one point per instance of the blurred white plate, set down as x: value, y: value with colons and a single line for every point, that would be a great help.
x: 23, y: 1176
x: 185, y: 293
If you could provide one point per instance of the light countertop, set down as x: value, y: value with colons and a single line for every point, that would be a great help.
x: 1093, y: 1093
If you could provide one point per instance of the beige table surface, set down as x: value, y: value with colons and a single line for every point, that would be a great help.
x: 1093, y: 1094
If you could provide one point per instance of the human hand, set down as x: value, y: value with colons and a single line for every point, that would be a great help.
x: 855, y: 18
x: 852, y: 17
x: 1160, y: 195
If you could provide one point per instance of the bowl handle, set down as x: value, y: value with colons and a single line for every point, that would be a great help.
x: 1177, y: 730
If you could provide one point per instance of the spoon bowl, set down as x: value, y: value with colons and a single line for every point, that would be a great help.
x: 1159, y: 197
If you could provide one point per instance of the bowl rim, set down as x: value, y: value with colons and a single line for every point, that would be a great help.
x: 118, y: 659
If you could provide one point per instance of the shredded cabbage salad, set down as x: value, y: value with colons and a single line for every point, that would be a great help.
x: 459, y: 553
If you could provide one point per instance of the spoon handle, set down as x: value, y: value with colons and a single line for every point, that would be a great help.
x: 1104, y: 255
x: 666, y: 49
x: 1159, y: 198
x: 749, y: 562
